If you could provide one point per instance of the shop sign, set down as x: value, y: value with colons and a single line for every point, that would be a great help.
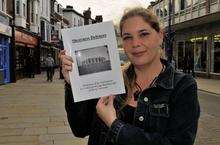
x: 6, y: 30
x: 25, y: 38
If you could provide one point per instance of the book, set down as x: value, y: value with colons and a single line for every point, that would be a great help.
x: 96, y: 69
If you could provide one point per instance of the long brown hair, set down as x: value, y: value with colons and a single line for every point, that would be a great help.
x: 128, y: 71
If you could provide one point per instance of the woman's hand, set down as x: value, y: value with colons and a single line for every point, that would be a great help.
x: 67, y: 63
x: 105, y: 110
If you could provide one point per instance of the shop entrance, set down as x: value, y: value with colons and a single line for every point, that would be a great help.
x: 4, y: 61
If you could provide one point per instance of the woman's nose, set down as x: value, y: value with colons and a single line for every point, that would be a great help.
x: 136, y: 42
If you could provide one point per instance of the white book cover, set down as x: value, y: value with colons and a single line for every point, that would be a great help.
x: 96, y: 70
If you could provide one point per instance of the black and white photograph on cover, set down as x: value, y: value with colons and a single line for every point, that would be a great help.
x: 93, y: 60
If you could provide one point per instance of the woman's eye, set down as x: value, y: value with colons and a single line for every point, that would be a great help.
x: 144, y: 34
x: 126, y: 37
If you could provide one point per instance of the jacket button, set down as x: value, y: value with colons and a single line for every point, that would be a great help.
x: 145, y: 99
x: 141, y: 118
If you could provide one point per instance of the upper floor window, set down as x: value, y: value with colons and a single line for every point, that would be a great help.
x: 165, y: 10
x: 32, y: 11
x: 36, y: 18
x: 157, y: 12
x: 17, y: 7
x: 3, y: 6
x: 195, y: 2
x: 182, y: 4
x: 188, y: 2
x: 24, y: 10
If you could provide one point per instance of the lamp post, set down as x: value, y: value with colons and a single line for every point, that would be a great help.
x: 169, y: 37
x: 12, y: 47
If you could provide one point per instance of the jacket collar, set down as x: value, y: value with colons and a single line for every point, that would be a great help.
x: 166, y: 78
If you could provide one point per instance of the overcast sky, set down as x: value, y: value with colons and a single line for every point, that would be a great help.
x: 109, y: 9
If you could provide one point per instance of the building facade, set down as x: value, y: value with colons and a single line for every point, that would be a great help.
x: 26, y: 36
x: 5, y: 38
x: 197, y: 33
x: 75, y: 18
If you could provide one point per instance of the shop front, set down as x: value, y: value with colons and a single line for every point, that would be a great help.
x: 203, y: 46
x: 26, y: 45
x: 5, y: 37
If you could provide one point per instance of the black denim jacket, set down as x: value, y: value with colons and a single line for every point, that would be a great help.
x: 167, y: 114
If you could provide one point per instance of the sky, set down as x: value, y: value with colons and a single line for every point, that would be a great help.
x: 109, y: 9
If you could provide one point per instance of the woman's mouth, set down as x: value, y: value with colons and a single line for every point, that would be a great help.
x: 138, y: 54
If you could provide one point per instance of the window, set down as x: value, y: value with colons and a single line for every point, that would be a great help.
x: 195, y: 2
x: 182, y: 4
x: 47, y: 9
x: 157, y: 12
x: 188, y: 2
x: 24, y: 10
x: 216, y: 55
x: 180, y: 46
x: 32, y: 11
x: 3, y: 5
x: 42, y: 26
x: 161, y: 13
x: 74, y: 22
x: 200, y: 48
x: 36, y: 18
x: 177, y: 6
x: 165, y: 10
x: 17, y: 7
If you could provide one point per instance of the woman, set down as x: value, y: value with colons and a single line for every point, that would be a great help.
x: 161, y: 105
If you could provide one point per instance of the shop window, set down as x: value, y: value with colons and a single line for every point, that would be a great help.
x: 180, y: 47
x: 200, y: 53
x: 1, y: 58
x: 216, y: 54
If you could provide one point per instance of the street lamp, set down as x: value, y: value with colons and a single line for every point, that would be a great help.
x: 169, y: 36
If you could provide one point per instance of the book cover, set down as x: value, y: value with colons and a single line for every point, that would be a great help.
x: 96, y: 68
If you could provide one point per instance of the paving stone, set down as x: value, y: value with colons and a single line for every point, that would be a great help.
x: 35, y: 131
x: 59, y: 129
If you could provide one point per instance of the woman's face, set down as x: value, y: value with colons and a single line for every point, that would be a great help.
x: 140, y: 41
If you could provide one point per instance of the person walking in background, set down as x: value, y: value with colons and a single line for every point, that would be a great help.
x: 50, y: 67
x: 30, y: 66
x: 160, y: 106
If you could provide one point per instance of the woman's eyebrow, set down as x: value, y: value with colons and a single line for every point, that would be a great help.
x: 143, y: 30
x: 124, y: 34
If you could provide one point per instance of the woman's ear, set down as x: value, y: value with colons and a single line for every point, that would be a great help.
x: 161, y: 34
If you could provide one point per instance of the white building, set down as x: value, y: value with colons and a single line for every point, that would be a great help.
x: 27, y: 14
x: 20, y: 13
x: 45, y: 26
x: 34, y: 13
x: 75, y: 18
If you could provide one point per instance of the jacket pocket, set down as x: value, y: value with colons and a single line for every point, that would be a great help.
x: 159, y: 114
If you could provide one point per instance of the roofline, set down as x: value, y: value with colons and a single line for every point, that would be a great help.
x: 72, y: 10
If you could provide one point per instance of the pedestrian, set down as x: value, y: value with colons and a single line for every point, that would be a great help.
x: 30, y: 66
x: 49, y: 67
x: 160, y: 105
